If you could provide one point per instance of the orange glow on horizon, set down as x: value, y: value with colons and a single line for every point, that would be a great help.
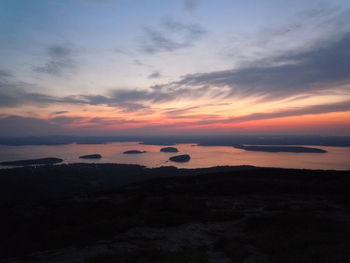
x: 295, y: 123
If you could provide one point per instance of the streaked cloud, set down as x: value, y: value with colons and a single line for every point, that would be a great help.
x: 15, y: 93
x: 15, y: 125
x: 191, y: 5
x: 322, y: 67
x: 171, y: 35
x: 214, y: 64
x: 59, y: 112
x: 296, y: 111
x: 4, y: 73
x: 59, y: 61
x: 155, y: 75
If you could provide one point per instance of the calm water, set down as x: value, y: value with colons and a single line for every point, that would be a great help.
x: 202, y: 156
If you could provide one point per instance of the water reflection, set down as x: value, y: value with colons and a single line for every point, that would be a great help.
x: 201, y: 156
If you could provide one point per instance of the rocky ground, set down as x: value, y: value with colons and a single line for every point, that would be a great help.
x: 254, y: 215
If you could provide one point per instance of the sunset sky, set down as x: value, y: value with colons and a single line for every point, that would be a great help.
x: 154, y: 67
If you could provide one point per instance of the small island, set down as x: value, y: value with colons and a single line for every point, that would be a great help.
x: 134, y: 152
x: 91, y: 156
x: 169, y: 150
x: 180, y: 158
x: 278, y: 148
x: 40, y: 161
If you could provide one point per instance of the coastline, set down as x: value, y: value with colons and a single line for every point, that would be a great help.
x: 299, y: 157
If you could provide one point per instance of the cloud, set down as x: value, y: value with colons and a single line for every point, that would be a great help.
x: 109, y: 122
x: 100, y: 3
x: 43, y: 99
x: 194, y: 31
x: 158, y: 42
x: 8, y: 90
x: 134, y: 107
x: 59, y: 61
x: 122, y: 99
x: 191, y: 5
x: 59, y: 112
x: 170, y: 36
x: 325, y: 68
x: 305, y: 30
x: 65, y: 120
x: 138, y: 62
x: 119, y: 96
x: 14, y: 93
x: 4, y: 73
x: 183, y: 112
x: 7, y: 101
x: 296, y: 111
x: 132, y: 100
x: 155, y: 75
x: 14, y: 125
x: 19, y: 126
x: 321, y: 68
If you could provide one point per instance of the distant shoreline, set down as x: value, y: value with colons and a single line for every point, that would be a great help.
x: 275, y: 148
x: 336, y: 141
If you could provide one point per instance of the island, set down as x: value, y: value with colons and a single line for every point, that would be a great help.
x: 91, y: 156
x: 180, y: 158
x: 269, y: 148
x: 134, y: 152
x: 40, y: 161
x: 169, y: 150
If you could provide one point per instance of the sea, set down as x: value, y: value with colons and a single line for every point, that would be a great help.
x: 336, y: 158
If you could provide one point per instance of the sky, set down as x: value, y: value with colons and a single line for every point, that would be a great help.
x: 174, y: 67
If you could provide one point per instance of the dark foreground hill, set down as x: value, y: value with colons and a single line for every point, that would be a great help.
x: 42, y: 161
x: 118, y: 213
